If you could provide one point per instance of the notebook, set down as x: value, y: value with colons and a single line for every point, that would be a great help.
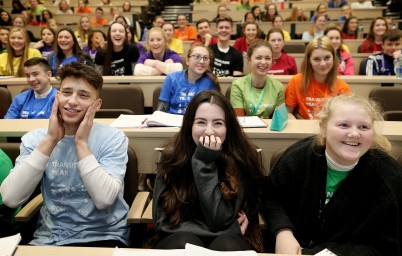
x: 8, y: 244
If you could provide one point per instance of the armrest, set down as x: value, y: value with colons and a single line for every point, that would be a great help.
x: 137, y: 207
x: 147, y: 216
x: 29, y: 210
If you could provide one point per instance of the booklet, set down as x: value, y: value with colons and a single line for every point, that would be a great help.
x: 251, y: 122
x: 9, y: 244
x: 157, y: 119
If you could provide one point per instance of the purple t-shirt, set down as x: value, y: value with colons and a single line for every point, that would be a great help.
x: 169, y: 54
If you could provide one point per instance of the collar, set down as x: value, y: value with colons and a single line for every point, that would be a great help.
x: 43, y: 95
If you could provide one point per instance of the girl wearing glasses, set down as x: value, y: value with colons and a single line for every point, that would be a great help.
x: 257, y: 94
x: 180, y: 87
x: 159, y: 60
x: 307, y: 91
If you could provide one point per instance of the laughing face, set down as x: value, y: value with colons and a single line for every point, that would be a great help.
x: 250, y: 31
x: 118, y: 35
x: 224, y: 30
x: 156, y: 43
x: 38, y: 79
x: 260, y: 61
x: 199, y: 60
x: 348, y: 133
x: 65, y: 41
x: 17, y: 42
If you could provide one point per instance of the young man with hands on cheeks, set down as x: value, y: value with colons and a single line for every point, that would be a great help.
x: 81, y: 167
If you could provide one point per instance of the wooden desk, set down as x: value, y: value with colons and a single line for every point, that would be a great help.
x: 360, y: 85
x: 144, y: 140
x: 79, y: 251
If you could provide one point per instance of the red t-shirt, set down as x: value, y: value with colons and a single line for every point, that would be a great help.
x: 285, y: 65
x: 365, y: 47
x: 214, y: 40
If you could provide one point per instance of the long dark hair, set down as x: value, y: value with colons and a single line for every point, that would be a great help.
x: 345, y: 28
x: 239, y: 165
x: 107, y: 65
x: 60, y: 56
x: 371, y: 36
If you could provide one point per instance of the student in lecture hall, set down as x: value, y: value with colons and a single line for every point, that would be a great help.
x: 81, y: 166
x: 119, y: 57
x: 132, y: 39
x: 318, y: 80
x: 97, y: 40
x: 204, y: 33
x: 207, y: 187
x: 321, y: 10
x: 257, y: 94
x: 18, y: 51
x: 373, y: 41
x: 45, y: 16
x: 184, y: 31
x: 158, y: 21
x: 227, y: 61
x: 277, y: 22
x: 64, y: 8
x: 317, y: 195
x: 5, y: 18
x: 36, y: 8
x: 99, y: 20
x: 84, y: 29
x: 36, y: 102
x: 350, y: 28
x: 18, y: 7
x: 250, y: 32
x: 346, y: 65
x: 337, y: 3
x: 68, y: 50
x: 383, y: 64
x: 180, y: 87
x: 29, y: 18
x: 297, y: 14
x: 174, y: 43
x: 282, y: 63
x: 52, y: 23
x: 244, y: 5
x: 270, y: 13
x: 159, y: 59
x: 221, y: 11
x: 346, y: 13
x: 317, y: 28
x: 47, y: 44
x: 4, y: 33
x: 256, y: 11
x: 20, y: 21
x: 82, y: 7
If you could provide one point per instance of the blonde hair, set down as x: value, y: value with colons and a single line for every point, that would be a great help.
x: 11, y: 53
x: 312, y: 28
x: 324, y: 43
x: 84, y: 34
x: 372, y: 108
x: 160, y: 30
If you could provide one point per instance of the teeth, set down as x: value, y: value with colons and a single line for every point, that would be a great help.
x: 352, y: 143
x: 72, y: 110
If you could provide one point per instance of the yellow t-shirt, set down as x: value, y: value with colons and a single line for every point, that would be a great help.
x: 32, y: 53
x: 176, y: 45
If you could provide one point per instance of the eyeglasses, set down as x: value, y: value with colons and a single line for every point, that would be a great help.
x: 199, y: 57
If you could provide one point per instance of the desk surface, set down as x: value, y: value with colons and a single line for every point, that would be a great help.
x: 145, y: 140
x: 77, y: 251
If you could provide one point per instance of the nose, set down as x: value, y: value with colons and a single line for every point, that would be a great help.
x: 209, y: 130
x: 73, y: 99
x: 354, y: 133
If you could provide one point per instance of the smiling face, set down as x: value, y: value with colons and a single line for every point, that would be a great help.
x: 37, y: 78
x: 222, y: 11
x: 335, y: 37
x: 203, y: 29
x: 209, y: 120
x: 348, y: 133
x: 257, y: 12
x: 182, y: 21
x: 321, y: 61
x: 118, y: 35
x: 322, y: 9
x: 85, y: 23
x: 260, y: 61
x: 17, y: 42
x: 75, y: 97
x: 250, y: 31
x: 18, y: 22
x: 320, y: 23
x: 156, y: 43
x: 97, y: 40
x: 198, y: 67
x: 389, y: 47
x: 249, y: 18
x: 47, y: 36
x: 158, y: 22
x: 276, y: 42
x: 4, y: 16
x: 4, y: 33
x: 379, y: 28
x: 353, y: 25
x: 65, y: 41
x: 169, y: 30
x: 224, y: 31
x: 346, y: 11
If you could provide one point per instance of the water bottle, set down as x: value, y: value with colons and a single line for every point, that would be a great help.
x: 398, y: 67
x: 145, y: 34
x: 360, y: 31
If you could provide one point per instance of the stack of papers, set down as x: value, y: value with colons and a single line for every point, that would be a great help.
x: 159, y: 118
x: 9, y: 244
x: 190, y: 250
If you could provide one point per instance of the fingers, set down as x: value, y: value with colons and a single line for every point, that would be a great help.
x: 213, y: 142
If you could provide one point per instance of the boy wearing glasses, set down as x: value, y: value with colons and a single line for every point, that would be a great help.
x: 36, y: 102
x: 80, y: 165
x: 383, y: 64
x: 180, y: 87
x: 184, y: 32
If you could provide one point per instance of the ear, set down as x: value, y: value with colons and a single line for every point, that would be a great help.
x: 323, y: 130
x: 98, y: 104
x: 49, y: 74
x: 187, y: 60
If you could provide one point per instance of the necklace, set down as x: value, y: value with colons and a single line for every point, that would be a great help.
x: 255, y: 107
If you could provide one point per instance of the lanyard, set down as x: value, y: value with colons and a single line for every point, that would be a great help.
x: 254, y: 107
x: 383, y: 69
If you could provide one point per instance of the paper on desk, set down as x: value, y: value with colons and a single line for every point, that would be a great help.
x: 193, y: 250
x: 131, y: 121
x: 9, y: 244
x: 325, y: 252
x: 251, y: 122
x: 123, y: 252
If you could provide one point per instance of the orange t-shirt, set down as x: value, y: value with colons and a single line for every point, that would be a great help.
x: 189, y: 34
x: 309, y: 105
x: 101, y: 23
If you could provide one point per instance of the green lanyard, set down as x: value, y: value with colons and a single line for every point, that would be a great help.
x: 254, y: 108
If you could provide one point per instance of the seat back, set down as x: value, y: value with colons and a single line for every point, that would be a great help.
x: 131, y: 178
x: 12, y: 149
x: 155, y: 98
x: 227, y: 93
x: 275, y: 157
x: 294, y: 47
x: 362, y: 67
x: 5, y: 101
x: 112, y: 113
x: 123, y: 96
x: 388, y: 97
x: 394, y: 115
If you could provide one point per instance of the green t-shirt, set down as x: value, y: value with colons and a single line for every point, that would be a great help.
x: 334, y: 179
x: 240, y: 96
x: 5, y: 166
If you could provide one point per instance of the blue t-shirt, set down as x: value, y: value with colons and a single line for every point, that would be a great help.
x: 178, y: 91
x: 26, y: 106
x: 68, y: 214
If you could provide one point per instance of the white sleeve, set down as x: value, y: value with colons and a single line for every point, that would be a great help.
x: 24, y: 178
x: 173, y: 67
x: 142, y: 70
x: 102, y: 187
